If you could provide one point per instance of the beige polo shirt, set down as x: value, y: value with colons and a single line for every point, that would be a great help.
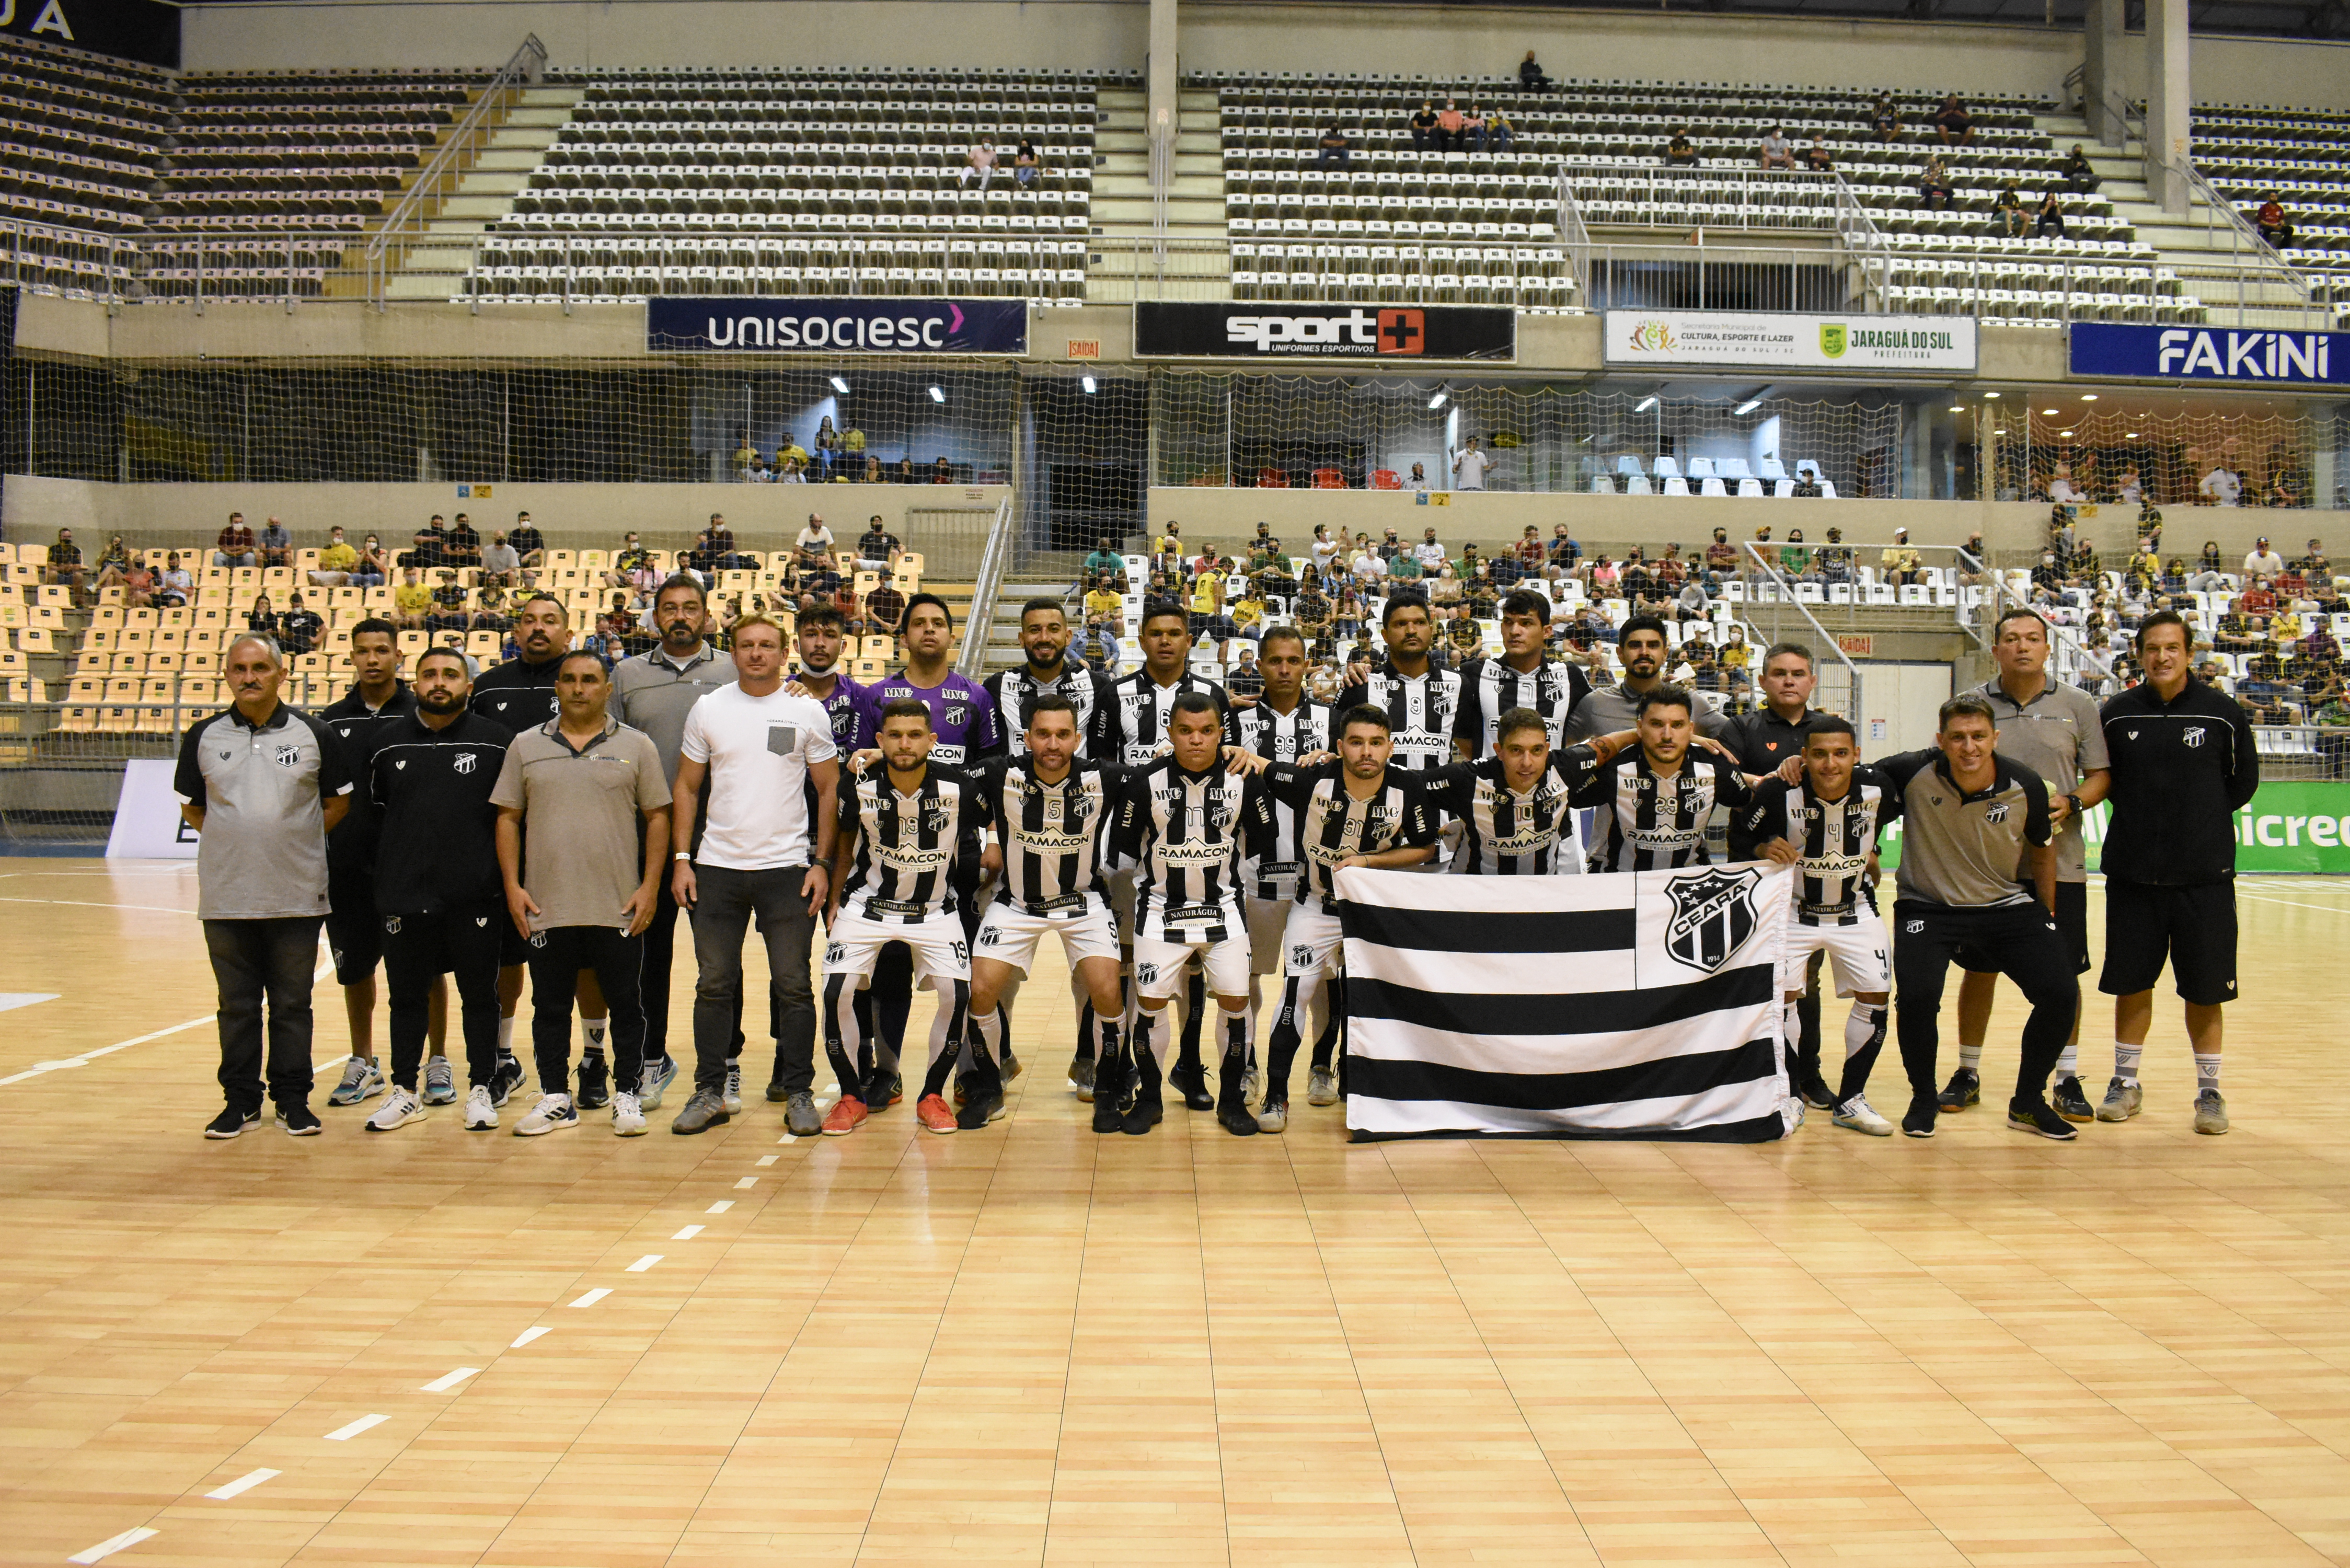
x: 581, y: 815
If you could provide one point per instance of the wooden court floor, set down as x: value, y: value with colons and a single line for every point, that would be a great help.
x: 1032, y: 1346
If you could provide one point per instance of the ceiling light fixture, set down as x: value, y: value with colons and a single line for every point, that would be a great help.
x: 1089, y: 383
x: 839, y: 386
x: 1645, y: 404
x: 938, y: 395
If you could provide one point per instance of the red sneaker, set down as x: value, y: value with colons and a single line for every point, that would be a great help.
x: 935, y: 1115
x: 845, y: 1118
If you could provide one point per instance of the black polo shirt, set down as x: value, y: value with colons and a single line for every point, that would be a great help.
x: 2181, y: 771
x: 350, y: 848
x: 436, y: 844
x: 518, y: 694
x: 1761, y: 741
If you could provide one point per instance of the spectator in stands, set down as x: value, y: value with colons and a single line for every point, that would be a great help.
x: 298, y: 628
x: 1417, y: 479
x: 1334, y: 152
x: 2223, y: 486
x: 1531, y: 552
x: 1430, y: 553
x: 234, y: 547
x: 464, y: 544
x: 1530, y: 74
x: 1835, y: 559
x: 374, y: 569
x: 276, y: 545
x: 411, y: 601
x: 1423, y: 127
x: 978, y: 163
x: 820, y: 584
x: 1025, y: 163
x: 746, y: 456
x: 501, y: 565
x: 1900, y: 563
x: 1104, y: 606
x: 1952, y: 122
x: 1406, y: 567
x: 261, y: 617
x: 1885, y: 118
x: 530, y: 545
x: 2063, y: 491
x: 428, y: 547
x: 2315, y: 565
x: 2284, y: 490
x: 337, y: 562
x: 1807, y: 485
x: 1106, y: 565
x: 2271, y: 223
x: 1499, y: 131
x: 1815, y: 156
x: 1934, y: 186
x: 1680, y: 153
x: 1794, y: 561
x: 878, y: 544
x: 2007, y: 211
x: 449, y: 611
x: 2048, y: 222
x: 1473, y: 128
x: 942, y: 470
x: 1468, y: 466
x: 2129, y: 489
x: 492, y: 609
x: 828, y: 449
x: 176, y: 586
x: 1449, y: 123
x: 885, y: 609
x: 2080, y: 177
x: 1777, y: 152
x: 2261, y: 560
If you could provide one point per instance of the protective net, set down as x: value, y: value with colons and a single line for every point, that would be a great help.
x: 2107, y: 451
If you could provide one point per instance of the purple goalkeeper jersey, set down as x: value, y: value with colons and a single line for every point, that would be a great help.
x: 961, y: 715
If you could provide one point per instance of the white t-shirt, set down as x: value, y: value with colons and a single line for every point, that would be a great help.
x: 2222, y: 486
x: 816, y: 538
x: 758, y: 750
x: 1469, y: 470
x: 1431, y: 554
x: 2259, y: 565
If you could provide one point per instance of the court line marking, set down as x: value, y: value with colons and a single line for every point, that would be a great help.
x: 747, y: 1183
x: 592, y: 1297
x: 2255, y: 898
x: 686, y: 1233
x: 448, y: 1380
x: 344, y: 1434
x: 85, y: 1058
x: 12, y: 1000
x: 101, y: 904
x: 245, y: 1482
x: 767, y: 1159
x: 642, y: 1264
x: 526, y: 1335
x: 723, y: 1204
x: 114, y: 1543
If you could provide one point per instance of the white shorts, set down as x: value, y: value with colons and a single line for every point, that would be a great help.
x: 1009, y: 934
x: 854, y: 942
x: 1160, y: 966
x: 1268, y: 919
x: 1859, y: 952
x: 1314, y: 944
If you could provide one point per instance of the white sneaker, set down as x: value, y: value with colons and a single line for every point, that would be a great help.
x: 657, y: 1080
x: 1322, y: 1087
x: 553, y: 1113
x: 399, y: 1108
x: 362, y: 1080
x: 627, y: 1117
x: 1861, y: 1117
x: 480, y: 1111
x: 440, y: 1083
x: 733, y: 1089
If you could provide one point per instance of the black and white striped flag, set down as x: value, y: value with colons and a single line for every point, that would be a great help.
x: 1636, y: 1005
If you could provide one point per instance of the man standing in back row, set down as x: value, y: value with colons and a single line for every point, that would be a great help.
x: 2184, y: 762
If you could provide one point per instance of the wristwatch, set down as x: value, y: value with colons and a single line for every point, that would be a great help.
x: 2074, y: 800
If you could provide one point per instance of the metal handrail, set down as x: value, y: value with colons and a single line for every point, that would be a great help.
x: 980, y: 621
x: 437, y: 181
x: 1826, y: 641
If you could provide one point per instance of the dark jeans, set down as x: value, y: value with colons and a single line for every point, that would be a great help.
x: 659, y: 944
x: 254, y: 961
x: 725, y: 900
x: 463, y: 943
x: 2018, y: 940
x: 556, y: 957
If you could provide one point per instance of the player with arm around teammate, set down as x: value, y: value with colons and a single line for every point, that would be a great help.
x: 1516, y: 807
x: 1655, y: 798
x: 1828, y: 827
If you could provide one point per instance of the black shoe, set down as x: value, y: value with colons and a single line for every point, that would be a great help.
x: 1817, y: 1095
x: 595, y: 1081
x: 984, y: 1106
x: 504, y: 1079
x: 2073, y: 1101
x: 1234, y: 1119
x: 230, y: 1122
x: 1964, y: 1089
x: 1110, y: 1096
x: 1191, y: 1083
x: 1010, y: 1066
x: 1081, y: 1076
x: 299, y: 1121
x: 1143, y: 1115
x: 1919, y: 1122
x: 2039, y: 1117
x: 777, y: 1093
x: 886, y: 1090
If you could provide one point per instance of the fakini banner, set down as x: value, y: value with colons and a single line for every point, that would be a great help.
x: 2296, y: 825
x: 911, y: 327
x: 1266, y: 331
x: 2210, y: 354
x: 1876, y: 343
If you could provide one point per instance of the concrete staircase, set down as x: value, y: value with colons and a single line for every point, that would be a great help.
x: 435, y: 267
x: 2196, y: 245
x: 1123, y: 255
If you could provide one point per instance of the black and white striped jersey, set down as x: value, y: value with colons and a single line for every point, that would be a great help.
x: 1142, y: 709
x: 1088, y: 691
x: 1051, y: 834
x: 907, y: 845
x: 1328, y: 823
x: 1655, y: 823
x: 1419, y: 711
x: 1505, y: 834
x: 1282, y: 738
x: 1186, y: 834
x: 1835, y: 836
x: 1490, y: 688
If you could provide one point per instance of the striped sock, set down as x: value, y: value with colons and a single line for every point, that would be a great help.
x: 2125, y: 1061
x: 2206, y: 1072
x: 1970, y: 1058
x: 2068, y: 1061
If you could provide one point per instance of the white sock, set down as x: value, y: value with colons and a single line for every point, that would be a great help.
x: 2206, y: 1072
x: 2068, y: 1061
x: 2125, y: 1061
x: 989, y: 1031
x: 1150, y: 1031
x: 506, y: 1036
x: 1863, y: 1024
x: 1970, y: 1058
x: 593, y: 1028
x: 1791, y: 1028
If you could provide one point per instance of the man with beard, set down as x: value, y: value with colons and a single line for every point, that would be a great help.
x: 1640, y: 645
x: 653, y: 692
x: 1420, y: 701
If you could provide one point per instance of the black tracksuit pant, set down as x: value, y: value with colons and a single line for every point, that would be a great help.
x: 461, y: 941
x: 2018, y: 940
x: 556, y: 957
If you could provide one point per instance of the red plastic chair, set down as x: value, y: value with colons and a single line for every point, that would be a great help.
x: 1385, y: 479
x: 1272, y: 478
x: 1329, y: 479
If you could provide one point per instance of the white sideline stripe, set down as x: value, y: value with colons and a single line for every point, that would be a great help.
x: 449, y: 1380
x: 113, y: 1543
x: 770, y: 1158
x: 526, y: 1335
x: 723, y: 1204
x: 686, y: 1234
x: 99, y: 904
x: 642, y: 1264
x: 786, y: 1139
x: 2255, y: 898
x: 245, y: 1482
x: 592, y: 1297
x: 87, y: 1057
x: 344, y: 1434
x: 748, y: 1182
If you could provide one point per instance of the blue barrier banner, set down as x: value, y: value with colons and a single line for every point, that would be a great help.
x: 2256, y: 354
x: 912, y: 327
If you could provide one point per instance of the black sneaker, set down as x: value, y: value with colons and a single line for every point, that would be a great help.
x: 299, y: 1121
x: 595, y: 1081
x: 1191, y: 1083
x: 1143, y: 1115
x: 984, y: 1106
x: 2039, y: 1117
x: 886, y: 1090
x: 1818, y: 1096
x: 1109, y: 1097
x: 1964, y: 1089
x: 230, y: 1122
x: 1919, y: 1121
x: 1234, y: 1119
x: 1081, y: 1077
x: 779, y: 1093
x: 2073, y: 1101
x: 504, y: 1079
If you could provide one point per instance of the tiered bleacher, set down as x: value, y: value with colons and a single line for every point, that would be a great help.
x: 788, y: 181
x: 2250, y: 154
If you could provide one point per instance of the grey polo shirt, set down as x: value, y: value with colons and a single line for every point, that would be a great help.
x: 653, y: 693
x: 262, y: 788
x: 1961, y: 849
x: 581, y: 809
x: 2059, y: 736
x: 1609, y: 708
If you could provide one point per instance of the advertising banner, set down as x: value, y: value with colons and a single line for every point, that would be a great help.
x: 2296, y: 825
x: 2210, y: 354
x: 142, y: 30
x: 1269, y: 329
x: 1873, y: 343
x: 911, y: 327
x: 147, y: 821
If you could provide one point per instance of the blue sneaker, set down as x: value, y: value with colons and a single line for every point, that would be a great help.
x: 440, y: 1083
x: 657, y: 1076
